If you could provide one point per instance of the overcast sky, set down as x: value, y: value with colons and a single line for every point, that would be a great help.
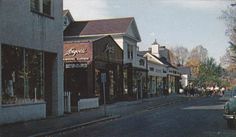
x: 173, y: 23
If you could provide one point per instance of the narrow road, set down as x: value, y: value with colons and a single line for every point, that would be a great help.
x: 196, y: 118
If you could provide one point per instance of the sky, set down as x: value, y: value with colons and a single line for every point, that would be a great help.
x: 187, y: 23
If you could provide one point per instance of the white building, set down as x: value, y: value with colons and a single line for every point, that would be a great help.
x: 185, y: 75
x: 31, y: 47
x: 162, y: 76
x: 156, y: 70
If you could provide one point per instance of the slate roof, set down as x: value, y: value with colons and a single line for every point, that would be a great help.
x: 99, y: 27
x: 164, y: 60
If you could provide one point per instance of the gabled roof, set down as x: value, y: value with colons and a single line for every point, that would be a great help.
x: 154, y: 58
x: 164, y: 60
x: 67, y: 13
x: 101, y: 27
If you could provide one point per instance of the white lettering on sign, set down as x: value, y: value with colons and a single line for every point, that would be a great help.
x: 81, y: 65
x: 74, y: 51
x: 109, y: 48
x: 82, y: 59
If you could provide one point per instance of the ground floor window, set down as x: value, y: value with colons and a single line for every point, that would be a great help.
x: 125, y: 81
x: 171, y: 84
x: 22, y: 75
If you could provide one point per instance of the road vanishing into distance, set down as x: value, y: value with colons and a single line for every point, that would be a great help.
x: 200, y: 117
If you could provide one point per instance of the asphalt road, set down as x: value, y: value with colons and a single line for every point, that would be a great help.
x: 196, y: 118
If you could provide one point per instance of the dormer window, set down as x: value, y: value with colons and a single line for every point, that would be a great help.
x: 41, y: 6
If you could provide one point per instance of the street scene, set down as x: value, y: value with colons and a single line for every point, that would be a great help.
x: 118, y: 68
x: 195, y: 118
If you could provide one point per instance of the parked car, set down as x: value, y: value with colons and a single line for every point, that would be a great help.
x: 227, y: 95
x: 230, y: 110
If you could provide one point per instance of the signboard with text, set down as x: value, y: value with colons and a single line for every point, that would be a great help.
x: 103, y: 77
x: 76, y: 65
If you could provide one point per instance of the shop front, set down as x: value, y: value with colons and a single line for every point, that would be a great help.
x: 135, y: 85
x: 84, y: 66
x: 26, y: 83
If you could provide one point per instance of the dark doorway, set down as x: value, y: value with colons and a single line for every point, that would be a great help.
x: 75, y: 80
x: 49, y: 59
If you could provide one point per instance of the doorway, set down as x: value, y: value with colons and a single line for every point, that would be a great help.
x: 49, y: 59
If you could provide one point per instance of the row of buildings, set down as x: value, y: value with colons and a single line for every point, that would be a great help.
x: 39, y: 63
x: 110, y: 46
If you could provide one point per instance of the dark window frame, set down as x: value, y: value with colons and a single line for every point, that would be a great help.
x: 42, y: 7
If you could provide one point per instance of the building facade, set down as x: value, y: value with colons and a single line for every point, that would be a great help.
x: 156, y: 74
x: 163, y: 77
x: 125, y: 32
x: 31, y: 47
x: 86, y: 61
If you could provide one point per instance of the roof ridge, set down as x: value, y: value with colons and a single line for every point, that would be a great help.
x: 105, y: 19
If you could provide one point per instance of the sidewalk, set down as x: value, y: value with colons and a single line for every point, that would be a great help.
x: 86, y: 117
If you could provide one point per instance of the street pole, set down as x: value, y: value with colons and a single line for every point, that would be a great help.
x: 104, y: 100
x: 103, y: 80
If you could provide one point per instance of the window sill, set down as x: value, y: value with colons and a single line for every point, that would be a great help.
x: 42, y: 14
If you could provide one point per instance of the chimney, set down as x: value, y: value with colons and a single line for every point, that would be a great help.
x: 155, y: 48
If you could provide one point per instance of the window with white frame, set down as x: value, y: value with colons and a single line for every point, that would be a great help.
x: 130, y: 51
x: 41, y: 6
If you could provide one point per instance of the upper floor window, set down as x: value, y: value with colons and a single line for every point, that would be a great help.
x: 41, y: 6
x: 151, y: 69
x: 130, y: 51
x: 141, y: 62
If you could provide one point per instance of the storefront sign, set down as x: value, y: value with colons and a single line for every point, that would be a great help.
x: 76, y: 65
x: 74, y: 52
x: 76, y: 59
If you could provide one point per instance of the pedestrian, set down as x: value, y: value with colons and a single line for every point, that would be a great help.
x: 78, y: 96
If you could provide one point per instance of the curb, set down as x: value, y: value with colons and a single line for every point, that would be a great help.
x: 75, y: 126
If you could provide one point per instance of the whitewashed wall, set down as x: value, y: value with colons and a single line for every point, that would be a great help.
x: 23, y: 28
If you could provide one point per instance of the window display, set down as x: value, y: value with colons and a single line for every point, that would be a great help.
x: 22, y: 75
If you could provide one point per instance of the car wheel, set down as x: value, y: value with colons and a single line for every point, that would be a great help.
x: 230, y: 123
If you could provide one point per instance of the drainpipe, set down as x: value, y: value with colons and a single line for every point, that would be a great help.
x: 146, y: 73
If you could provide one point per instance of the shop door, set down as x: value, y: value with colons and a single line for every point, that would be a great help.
x: 49, y: 59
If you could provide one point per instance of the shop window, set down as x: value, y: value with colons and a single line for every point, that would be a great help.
x: 41, y: 6
x: 22, y: 75
x: 98, y: 83
x: 125, y: 82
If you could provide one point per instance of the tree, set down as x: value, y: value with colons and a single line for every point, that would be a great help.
x: 197, y: 55
x: 210, y: 73
x: 200, y: 53
x: 180, y: 55
x: 229, y: 16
